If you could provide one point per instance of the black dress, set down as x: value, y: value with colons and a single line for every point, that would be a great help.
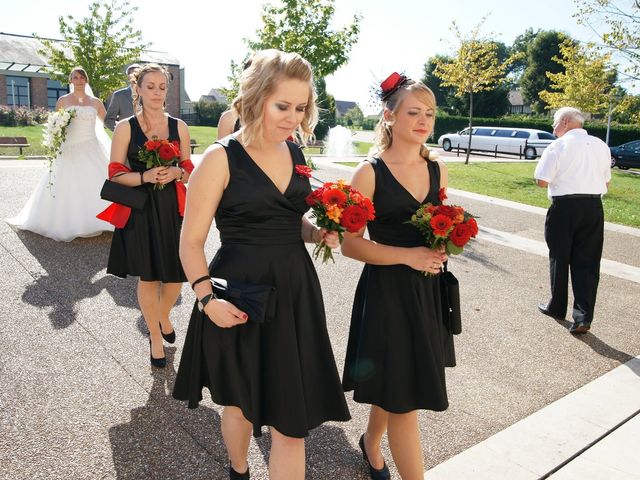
x: 398, y: 345
x: 281, y: 373
x: 147, y: 246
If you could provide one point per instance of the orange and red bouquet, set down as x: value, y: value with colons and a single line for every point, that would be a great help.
x: 338, y: 207
x: 448, y: 225
x: 159, y: 153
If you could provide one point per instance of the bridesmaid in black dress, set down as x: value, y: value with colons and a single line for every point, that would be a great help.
x: 396, y: 352
x: 147, y: 245
x: 280, y: 373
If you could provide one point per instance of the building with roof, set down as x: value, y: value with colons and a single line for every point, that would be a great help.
x: 215, y: 95
x: 25, y: 82
x: 517, y: 103
x: 343, y: 106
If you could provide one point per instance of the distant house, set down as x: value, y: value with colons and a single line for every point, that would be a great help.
x: 517, y: 104
x: 25, y: 82
x: 214, y: 95
x: 343, y: 106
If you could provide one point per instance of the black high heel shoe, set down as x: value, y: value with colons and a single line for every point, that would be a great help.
x: 168, y: 337
x: 157, y: 362
x: 375, y: 474
x: 233, y: 475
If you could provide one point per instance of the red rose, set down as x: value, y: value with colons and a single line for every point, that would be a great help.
x: 390, y: 82
x: 166, y: 152
x: 441, y: 225
x: 333, y: 196
x: 473, y: 226
x: 314, y: 197
x: 303, y: 171
x: 353, y: 218
x: 451, y: 212
x: 461, y: 234
x: 151, y: 145
x: 442, y: 194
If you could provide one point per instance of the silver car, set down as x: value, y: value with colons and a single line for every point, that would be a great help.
x: 526, y: 142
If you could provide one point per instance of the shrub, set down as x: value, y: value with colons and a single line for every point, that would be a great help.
x: 618, y: 134
x: 209, y: 112
x: 21, y: 116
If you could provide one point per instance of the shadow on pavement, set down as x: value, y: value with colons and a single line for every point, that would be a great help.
x: 600, y: 347
x: 164, y: 439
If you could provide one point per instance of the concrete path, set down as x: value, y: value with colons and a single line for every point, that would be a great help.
x: 79, y: 399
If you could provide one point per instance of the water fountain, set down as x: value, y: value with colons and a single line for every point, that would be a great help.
x: 339, y: 143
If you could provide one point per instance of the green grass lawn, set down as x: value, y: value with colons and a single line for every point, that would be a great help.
x: 514, y: 181
x: 205, y: 136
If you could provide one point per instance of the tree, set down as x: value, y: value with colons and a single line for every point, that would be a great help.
x: 476, y: 67
x: 103, y: 43
x: 540, y: 60
x: 617, y: 23
x: 521, y: 45
x: 444, y: 95
x: 327, y: 110
x: 354, y: 116
x: 302, y: 26
x: 209, y: 112
x: 586, y: 82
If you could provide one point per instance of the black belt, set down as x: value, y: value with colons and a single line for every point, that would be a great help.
x: 578, y: 195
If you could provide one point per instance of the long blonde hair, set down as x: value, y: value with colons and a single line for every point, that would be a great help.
x: 258, y: 82
x: 139, y: 75
x: 384, y: 134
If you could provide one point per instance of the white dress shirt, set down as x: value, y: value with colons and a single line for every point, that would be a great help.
x: 575, y: 163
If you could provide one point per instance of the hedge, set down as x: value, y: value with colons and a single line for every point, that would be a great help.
x: 619, y: 133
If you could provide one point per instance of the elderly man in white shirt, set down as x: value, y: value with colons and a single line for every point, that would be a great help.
x: 576, y: 169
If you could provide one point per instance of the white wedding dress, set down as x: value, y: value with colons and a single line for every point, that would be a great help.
x: 65, y: 202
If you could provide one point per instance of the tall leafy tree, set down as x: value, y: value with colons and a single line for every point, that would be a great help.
x: 474, y: 68
x: 103, y: 43
x: 444, y: 95
x: 617, y: 23
x: 327, y: 110
x: 302, y: 26
x: 521, y: 45
x: 540, y: 60
x: 587, y: 82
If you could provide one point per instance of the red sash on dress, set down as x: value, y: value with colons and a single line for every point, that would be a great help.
x: 118, y: 215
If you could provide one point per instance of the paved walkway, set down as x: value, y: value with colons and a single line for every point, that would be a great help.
x: 527, y: 399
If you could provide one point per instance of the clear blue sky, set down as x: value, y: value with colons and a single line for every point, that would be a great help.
x: 395, y: 34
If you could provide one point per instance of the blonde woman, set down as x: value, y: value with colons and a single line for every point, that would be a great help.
x: 396, y: 352
x: 280, y: 373
x: 145, y: 241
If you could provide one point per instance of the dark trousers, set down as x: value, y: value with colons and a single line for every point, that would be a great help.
x: 574, y: 231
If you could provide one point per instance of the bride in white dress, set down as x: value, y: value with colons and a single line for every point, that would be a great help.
x: 65, y: 202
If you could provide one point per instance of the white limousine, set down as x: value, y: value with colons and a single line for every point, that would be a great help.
x: 516, y: 141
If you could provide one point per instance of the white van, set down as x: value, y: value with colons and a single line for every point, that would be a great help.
x: 525, y: 142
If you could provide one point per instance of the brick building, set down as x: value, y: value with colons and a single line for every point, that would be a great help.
x: 24, y: 81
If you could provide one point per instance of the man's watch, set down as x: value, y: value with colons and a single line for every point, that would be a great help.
x: 204, y: 300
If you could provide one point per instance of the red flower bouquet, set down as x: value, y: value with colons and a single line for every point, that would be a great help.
x: 159, y: 153
x: 448, y: 225
x: 338, y: 208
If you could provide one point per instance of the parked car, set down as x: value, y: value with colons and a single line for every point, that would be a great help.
x: 517, y: 141
x: 626, y: 156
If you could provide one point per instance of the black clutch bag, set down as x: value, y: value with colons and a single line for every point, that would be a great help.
x: 118, y: 193
x: 257, y: 301
x: 450, y: 295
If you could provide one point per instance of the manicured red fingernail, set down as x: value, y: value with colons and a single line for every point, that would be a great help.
x: 245, y: 316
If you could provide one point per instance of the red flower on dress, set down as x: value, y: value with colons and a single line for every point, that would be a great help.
x: 303, y: 171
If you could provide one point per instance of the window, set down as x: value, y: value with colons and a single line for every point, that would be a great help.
x: 546, y: 136
x: 55, y: 90
x: 521, y: 134
x: 483, y: 131
x: 504, y: 133
x: 18, y: 93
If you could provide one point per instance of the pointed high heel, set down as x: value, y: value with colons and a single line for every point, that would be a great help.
x: 168, y: 337
x: 157, y: 362
x: 374, y: 474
